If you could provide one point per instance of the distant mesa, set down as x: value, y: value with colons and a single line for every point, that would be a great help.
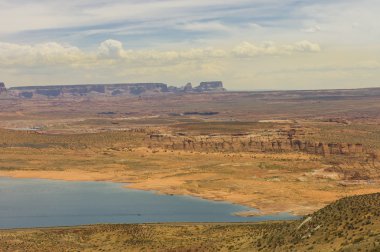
x: 210, y: 86
x: 87, y: 90
x: 2, y: 88
x: 132, y: 89
x: 188, y: 87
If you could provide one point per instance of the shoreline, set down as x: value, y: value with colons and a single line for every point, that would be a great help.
x: 81, y: 176
x: 273, y: 208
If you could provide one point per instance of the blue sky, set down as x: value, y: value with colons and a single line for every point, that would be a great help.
x: 256, y: 44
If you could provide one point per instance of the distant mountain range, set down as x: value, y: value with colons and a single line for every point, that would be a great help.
x: 134, y: 89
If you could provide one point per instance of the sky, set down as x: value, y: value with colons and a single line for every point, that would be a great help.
x: 247, y: 44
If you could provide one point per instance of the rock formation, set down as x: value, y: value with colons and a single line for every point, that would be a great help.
x: 2, y: 88
x: 83, y: 90
x: 210, y: 86
x: 213, y: 86
x: 247, y: 143
x: 134, y: 89
x: 188, y: 87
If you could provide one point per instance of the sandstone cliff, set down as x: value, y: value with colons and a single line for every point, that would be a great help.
x: 250, y: 143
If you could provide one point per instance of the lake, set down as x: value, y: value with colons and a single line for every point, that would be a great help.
x: 46, y: 203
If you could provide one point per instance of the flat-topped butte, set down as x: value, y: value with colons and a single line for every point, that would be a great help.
x: 135, y: 89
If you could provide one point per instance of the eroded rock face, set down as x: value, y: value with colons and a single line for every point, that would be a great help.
x: 250, y: 144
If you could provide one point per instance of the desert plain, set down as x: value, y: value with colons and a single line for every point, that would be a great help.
x: 276, y: 151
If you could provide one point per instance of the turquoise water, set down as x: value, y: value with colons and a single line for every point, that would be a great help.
x: 45, y: 203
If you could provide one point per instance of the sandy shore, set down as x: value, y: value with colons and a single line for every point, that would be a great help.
x: 264, y: 203
x: 163, y: 187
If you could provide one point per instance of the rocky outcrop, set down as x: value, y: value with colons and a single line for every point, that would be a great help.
x: 188, y: 87
x: 2, y: 88
x: 213, y: 86
x: 244, y: 143
x: 210, y: 86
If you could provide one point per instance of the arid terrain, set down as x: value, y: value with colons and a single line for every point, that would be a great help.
x: 186, y: 126
x: 290, y: 151
x: 279, y: 151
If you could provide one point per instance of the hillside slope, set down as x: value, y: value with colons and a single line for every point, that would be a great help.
x: 349, y: 224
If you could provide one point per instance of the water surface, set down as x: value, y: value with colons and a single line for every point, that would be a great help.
x: 46, y: 203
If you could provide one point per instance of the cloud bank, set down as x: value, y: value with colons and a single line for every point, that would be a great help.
x: 113, y: 52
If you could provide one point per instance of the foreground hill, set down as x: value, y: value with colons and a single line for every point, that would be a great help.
x: 350, y: 224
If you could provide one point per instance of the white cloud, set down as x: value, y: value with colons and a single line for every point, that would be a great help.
x: 55, y: 14
x: 50, y: 53
x: 111, y: 49
x: 247, y: 49
x: 340, y: 21
x: 113, y: 52
x: 254, y: 26
x: 312, y: 29
x: 306, y: 46
x: 204, y: 26
x: 294, y: 66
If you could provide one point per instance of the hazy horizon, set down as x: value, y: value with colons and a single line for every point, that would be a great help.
x: 182, y: 85
x: 249, y: 45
